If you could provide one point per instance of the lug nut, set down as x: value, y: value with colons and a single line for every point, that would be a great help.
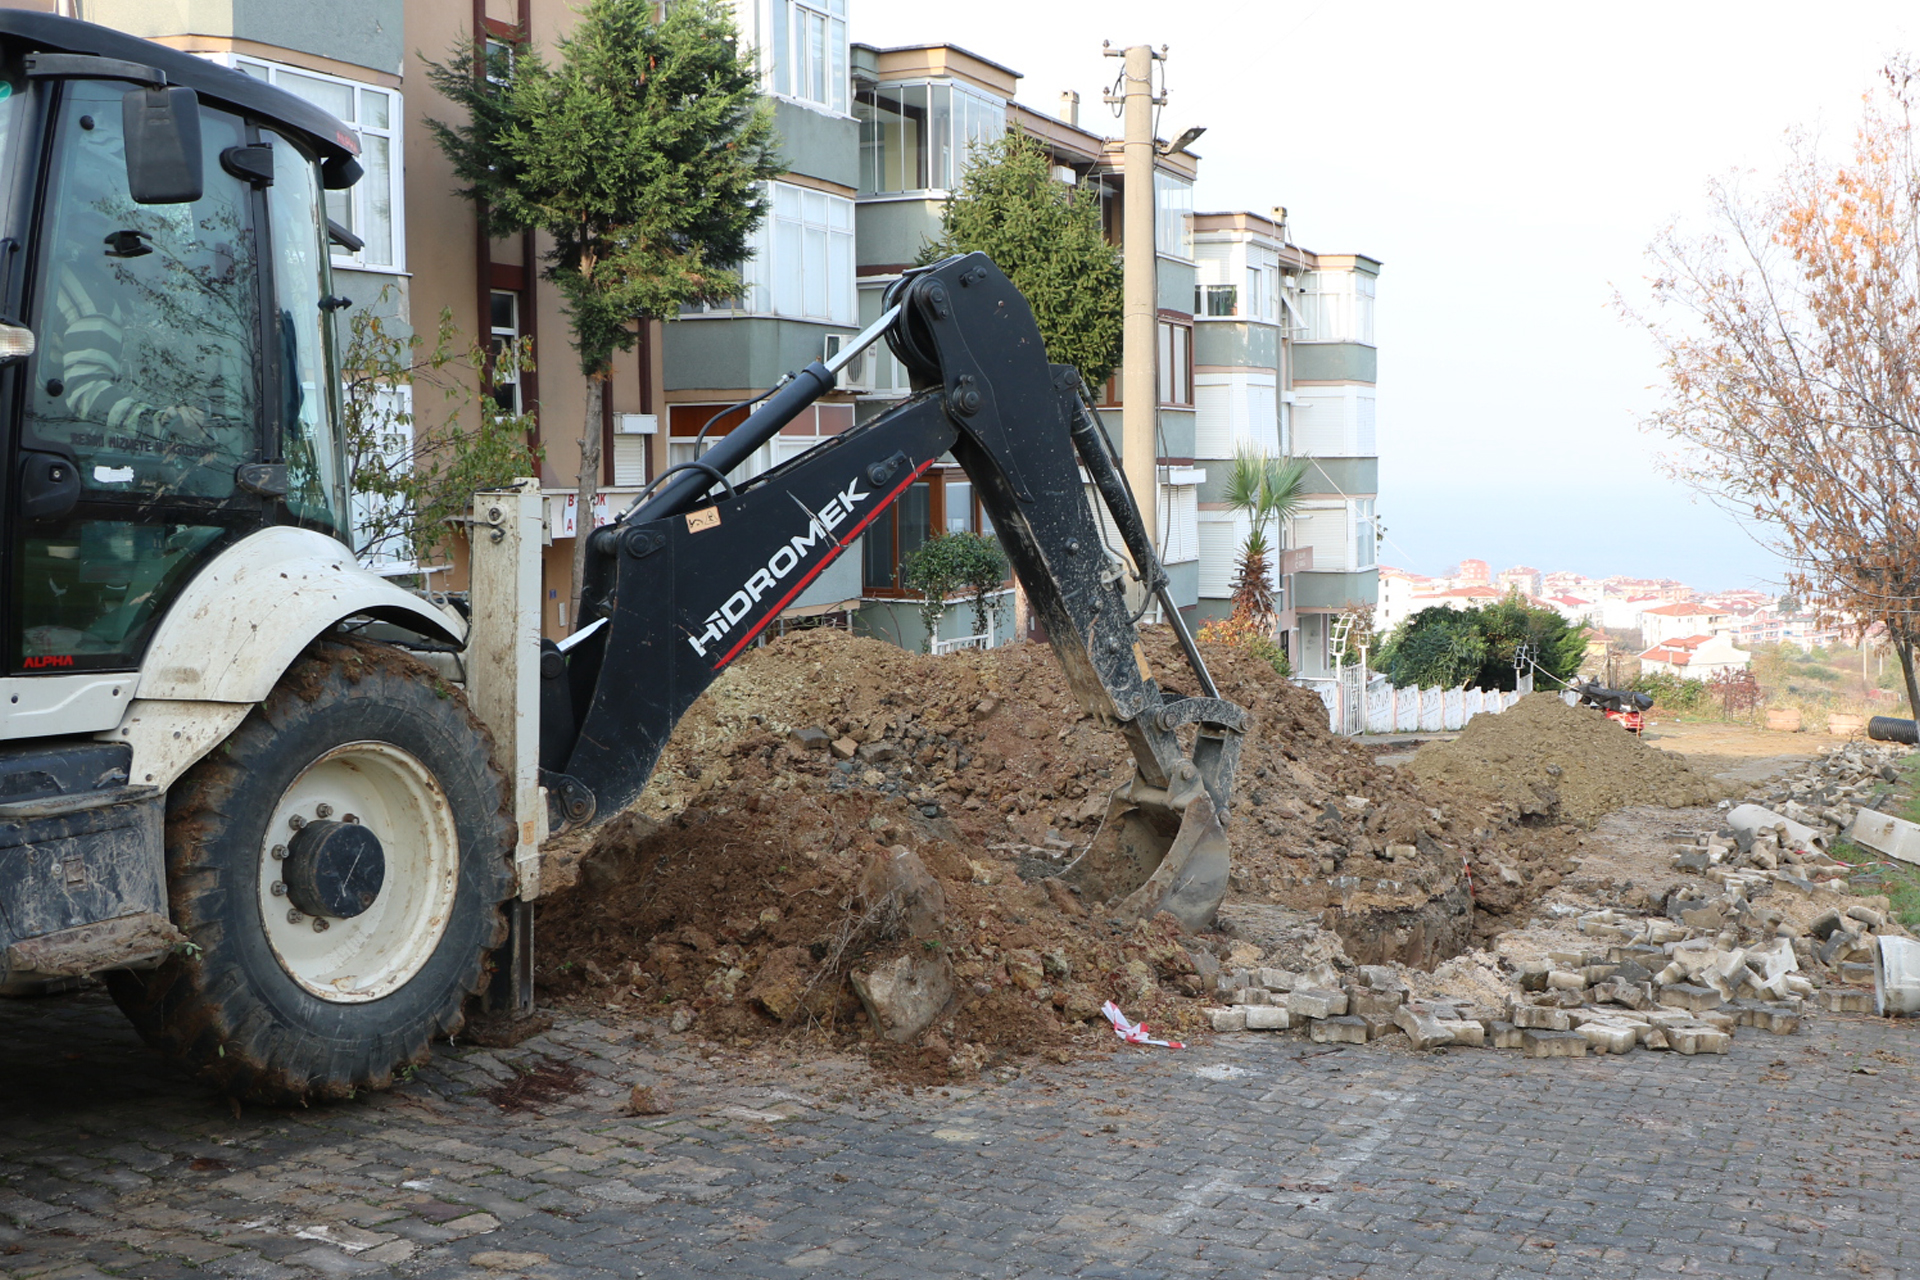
x: 279, y: 888
x: 320, y: 924
x: 296, y: 822
x: 279, y: 853
x: 294, y: 916
x: 323, y: 810
x: 353, y: 818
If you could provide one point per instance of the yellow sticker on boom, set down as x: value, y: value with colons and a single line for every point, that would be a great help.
x: 703, y: 519
x: 1140, y: 660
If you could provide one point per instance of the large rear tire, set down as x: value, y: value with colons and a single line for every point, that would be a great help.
x: 310, y: 976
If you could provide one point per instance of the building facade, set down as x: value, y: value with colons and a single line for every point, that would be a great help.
x: 1260, y: 342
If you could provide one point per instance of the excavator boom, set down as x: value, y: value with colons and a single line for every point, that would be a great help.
x: 687, y: 579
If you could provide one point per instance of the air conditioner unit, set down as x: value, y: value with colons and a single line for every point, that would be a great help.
x: 636, y: 424
x: 857, y: 376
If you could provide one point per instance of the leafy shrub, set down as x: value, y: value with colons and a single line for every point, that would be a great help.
x: 1244, y: 633
x: 1674, y: 693
x: 948, y: 563
x: 1449, y: 648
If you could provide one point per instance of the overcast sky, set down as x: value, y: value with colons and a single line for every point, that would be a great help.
x: 1508, y: 164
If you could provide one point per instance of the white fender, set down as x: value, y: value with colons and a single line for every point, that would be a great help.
x: 244, y: 618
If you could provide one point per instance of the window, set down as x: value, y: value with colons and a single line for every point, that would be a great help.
x: 1363, y: 536
x: 310, y: 435
x: 1173, y: 212
x: 504, y: 328
x: 809, y: 51
x: 372, y: 207
x: 500, y: 54
x: 1338, y: 306
x: 917, y: 137
x: 944, y: 500
x: 1260, y: 292
x: 686, y: 421
x: 811, y: 265
x: 143, y: 381
x: 1221, y: 300
x: 1176, y: 364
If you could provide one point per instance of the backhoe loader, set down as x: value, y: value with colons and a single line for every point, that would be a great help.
x: 233, y: 782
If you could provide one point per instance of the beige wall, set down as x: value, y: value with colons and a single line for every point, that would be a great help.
x: 442, y: 253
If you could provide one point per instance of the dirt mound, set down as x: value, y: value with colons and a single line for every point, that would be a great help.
x: 1554, y: 763
x: 731, y: 891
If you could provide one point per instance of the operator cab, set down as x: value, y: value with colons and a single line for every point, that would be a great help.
x: 167, y: 378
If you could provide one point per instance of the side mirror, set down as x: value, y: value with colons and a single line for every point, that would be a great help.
x: 162, y: 129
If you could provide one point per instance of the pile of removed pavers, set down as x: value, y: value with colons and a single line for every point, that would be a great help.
x: 1745, y: 944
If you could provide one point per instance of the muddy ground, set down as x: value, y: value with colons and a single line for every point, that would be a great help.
x: 738, y: 898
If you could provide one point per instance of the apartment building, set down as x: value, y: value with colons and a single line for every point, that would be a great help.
x: 922, y: 110
x: 1285, y: 362
x: 1258, y: 340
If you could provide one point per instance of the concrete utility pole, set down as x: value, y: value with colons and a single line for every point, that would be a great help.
x: 1139, y: 380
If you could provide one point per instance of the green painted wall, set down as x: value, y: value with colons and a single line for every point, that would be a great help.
x: 818, y: 145
x: 1335, y: 590
x: 366, y: 33
x: 838, y: 581
x: 1176, y: 283
x: 1354, y: 477
x: 891, y: 232
x: 898, y: 621
x: 1183, y: 581
x: 1235, y: 344
x: 1176, y: 433
x: 739, y: 353
x: 1335, y: 362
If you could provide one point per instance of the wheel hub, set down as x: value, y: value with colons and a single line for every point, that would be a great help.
x: 334, y: 869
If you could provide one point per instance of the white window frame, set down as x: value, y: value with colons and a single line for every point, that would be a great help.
x: 511, y: 334
x: 790, y: 57
x: 1172, y: 194
x: 947, y: 174
x: 842, y: 296
x: 357, y: 195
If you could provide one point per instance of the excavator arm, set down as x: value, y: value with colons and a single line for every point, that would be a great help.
x: 688, y: 577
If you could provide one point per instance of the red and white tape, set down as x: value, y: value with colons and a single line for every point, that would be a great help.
x: 1132, y: 1032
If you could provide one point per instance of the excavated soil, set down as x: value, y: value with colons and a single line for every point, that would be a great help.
x: 730, y: 894
x: 1556, y: 764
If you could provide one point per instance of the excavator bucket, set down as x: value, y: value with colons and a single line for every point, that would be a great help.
x: 1147, y: 859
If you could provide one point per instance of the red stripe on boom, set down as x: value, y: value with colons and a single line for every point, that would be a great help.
x: 826, y: 560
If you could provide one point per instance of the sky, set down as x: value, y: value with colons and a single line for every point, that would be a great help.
x: 1508, y: 164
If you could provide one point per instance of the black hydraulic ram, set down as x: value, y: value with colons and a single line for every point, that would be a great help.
x: 697, y: 568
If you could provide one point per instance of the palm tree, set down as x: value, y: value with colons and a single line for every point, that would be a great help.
x: 1268, y: 490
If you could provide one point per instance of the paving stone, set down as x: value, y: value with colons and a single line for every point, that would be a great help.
x: 1689, y: 996
x: 1538, y: 1017
x: 1310, y: 1003
x: 1268, y: 1017
x: 1231, y: 1019
x: 1552, y: 1044
x: 1610, y: 1037
x: 1690, y: 1040
x: 1345, y: 1029
x: 1235, y: 1157
x: 1423, y: 1029
x: 1846, y: 1000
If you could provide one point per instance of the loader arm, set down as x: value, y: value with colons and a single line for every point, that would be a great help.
x: 686, y: 579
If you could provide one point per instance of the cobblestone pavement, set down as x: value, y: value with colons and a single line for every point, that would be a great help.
x: 1248, y: 1156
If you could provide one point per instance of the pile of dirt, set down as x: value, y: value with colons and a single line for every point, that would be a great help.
x: 1553, y: 763
x: 731, y: 892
